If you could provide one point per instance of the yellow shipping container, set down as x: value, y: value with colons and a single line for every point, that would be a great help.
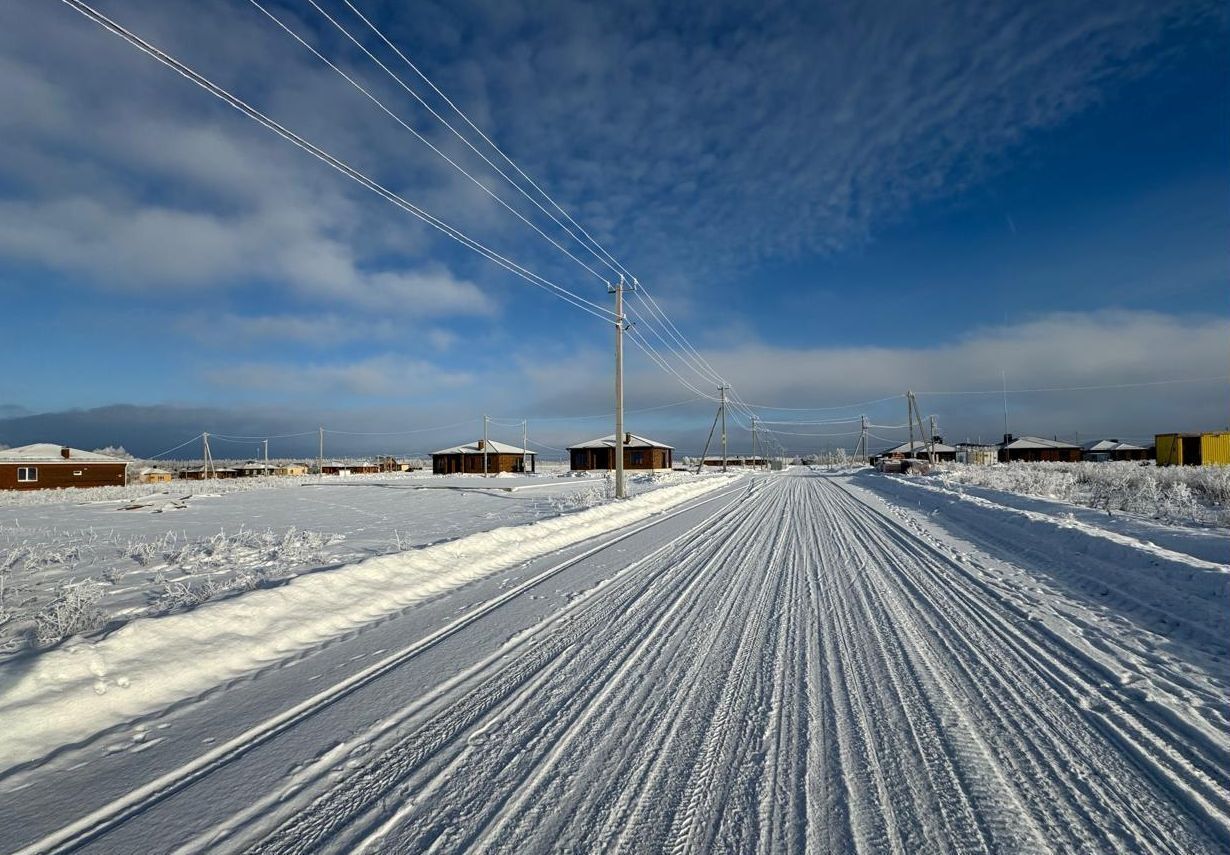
x: 1215, y: 448
x: 1193, y: 449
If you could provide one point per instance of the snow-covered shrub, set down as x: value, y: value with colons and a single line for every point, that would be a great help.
x: 1173, y: 493
x: 73, y: 609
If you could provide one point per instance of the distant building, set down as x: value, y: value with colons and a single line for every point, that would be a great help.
x: 254, y: 468
x: 1193, y: 449
x: 977, y: 454
x: 47, y: 466
x: 639, y: 453
x: 919, y: 448
x: 735, y: 460
x: 1103, y: 450
x: 200, y: 473
x: 1035, y: 449
x: 468, y: 459
x: 154, y: 475
x: 291, y: 469
x: 334, y: 467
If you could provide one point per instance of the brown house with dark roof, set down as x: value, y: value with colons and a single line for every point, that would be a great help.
x: 639, y: 453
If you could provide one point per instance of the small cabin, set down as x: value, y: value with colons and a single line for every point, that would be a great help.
x: 1104, y: 450
x: 1035, y: 449
x: 482, y: 457
x: 201, y: 473
x: 154, y: 475
x: 920, y: 449
x: 254, y: 469
x: 291, y: 469
x: 640, y: 453
x: 48, y: 466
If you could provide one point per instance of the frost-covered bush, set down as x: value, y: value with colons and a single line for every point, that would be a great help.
x: 1173, y: 493
x: 74, y: 609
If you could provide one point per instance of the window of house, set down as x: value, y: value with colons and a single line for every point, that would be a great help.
x: 27, y: 474
x: 638, y: 457
x: 78, y: 472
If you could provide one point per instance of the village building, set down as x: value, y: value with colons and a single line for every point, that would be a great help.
x: 468, y: 459
x: 154, y: 475
x: 1035, y: 449
x: 334, y: 467
x: 1104, y: 450
x: 291, y: 469
x: 977, y: 454
x: 255, y: 468
x: 1193, y: 449
x: 200, y: 473
x: 919, y: 450
x: 48, y: 466
x: 735, y: 460
x: 639, y: 453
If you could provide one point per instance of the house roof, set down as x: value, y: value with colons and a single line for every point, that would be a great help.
x: 1038, y: 442
x: 1112, y: 445
x: 50, y: 452
x: 919, y: 445
x: 256, y: 464
x: 608, y: 441
x: 154, y: 470
x: 492, y: 447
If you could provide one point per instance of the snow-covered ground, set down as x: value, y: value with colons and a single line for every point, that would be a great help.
x: 76, y: 560
x: 845, y: 662
x: 1176, y: 494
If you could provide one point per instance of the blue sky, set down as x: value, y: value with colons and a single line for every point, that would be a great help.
x: 833, y: 202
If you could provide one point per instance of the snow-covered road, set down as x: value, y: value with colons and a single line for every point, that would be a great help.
x: 790, y: 663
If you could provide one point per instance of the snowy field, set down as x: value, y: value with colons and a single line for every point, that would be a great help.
x: 795, y: 662
x: 1183, y: 495
x: 72, y: 561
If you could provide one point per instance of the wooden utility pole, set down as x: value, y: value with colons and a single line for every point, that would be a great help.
x: 207, y: 462
x: 931, y: 437
x: 620, y: 325
x: 722, y: 391
x: 525, y: 448
x: 320, y: 454
x: 266, y: 442
x: 909, y: 418
x: 486, y: 451
x: 862, y: 439
x: 755, y: 460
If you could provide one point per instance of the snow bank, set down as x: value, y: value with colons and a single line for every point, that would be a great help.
x: 71, y: 693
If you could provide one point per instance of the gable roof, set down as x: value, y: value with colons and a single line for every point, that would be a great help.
x: 493, y: 447
x: 608, y: 441
x: 919, y: 445
x: 1112, y: 445
x: 1038, y: 442
x: 50, y: 452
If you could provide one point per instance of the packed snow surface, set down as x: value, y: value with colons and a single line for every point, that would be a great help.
x: 796, y: 662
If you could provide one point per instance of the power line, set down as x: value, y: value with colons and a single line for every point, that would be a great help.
x: 290, y: 136
x: 414, y: 132
x: 1222, y: 378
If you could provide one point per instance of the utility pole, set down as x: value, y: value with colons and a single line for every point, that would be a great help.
x: 320, y: 457
x: 207, y: 459
x: 862, y: 439
x: 755, y: 460
x: 931, y: 449
x: 525, y: 440
x: 909, y: 417
x: 486, y: 452
x: 722, y: 392
x: 620, y: 325
x: 266, y: 453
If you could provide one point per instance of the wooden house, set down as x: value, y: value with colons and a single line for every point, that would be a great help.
x: 255, y: 468
x: 919, y: 450
x: 154, y: 475
x: 469, y: 459
x: 977, y: 454
x: 200, y: 473
x: 639, y: 453
x: 334, y: 467
x: 1035, y: 449
x: 1112, y: 449
x: 291, y: 469
x: 48, y: 466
